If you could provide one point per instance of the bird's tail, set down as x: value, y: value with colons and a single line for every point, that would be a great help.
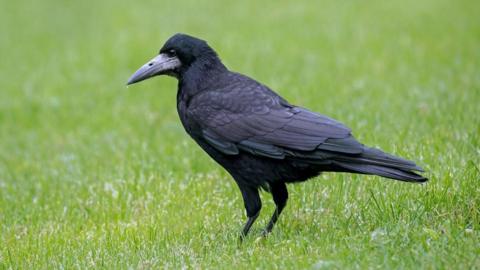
x: 374, y: 161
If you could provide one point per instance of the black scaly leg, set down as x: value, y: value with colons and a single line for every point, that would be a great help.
x: 253, y: 204
x: 280, y: 196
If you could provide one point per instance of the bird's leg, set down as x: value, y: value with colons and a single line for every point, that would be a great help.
x: 248, y: 225
x: 253, y: 204
x: 280, y: 196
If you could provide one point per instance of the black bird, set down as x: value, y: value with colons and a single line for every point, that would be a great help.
x: 257, y: 136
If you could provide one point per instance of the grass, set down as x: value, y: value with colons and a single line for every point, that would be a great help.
x: 97, y: 175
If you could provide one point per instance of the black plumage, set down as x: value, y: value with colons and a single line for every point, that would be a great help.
x: 257, y: 136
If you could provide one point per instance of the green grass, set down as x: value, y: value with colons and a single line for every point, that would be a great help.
x: 97, y: 175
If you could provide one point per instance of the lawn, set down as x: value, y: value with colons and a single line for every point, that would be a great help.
x: 97, y: 175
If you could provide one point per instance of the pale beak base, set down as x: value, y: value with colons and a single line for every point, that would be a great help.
x: 161, y: 64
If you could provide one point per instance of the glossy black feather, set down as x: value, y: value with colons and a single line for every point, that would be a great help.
x: 239, y: 116
x: 249, y: 112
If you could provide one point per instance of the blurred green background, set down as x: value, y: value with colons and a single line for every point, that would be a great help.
x: 97, y: 175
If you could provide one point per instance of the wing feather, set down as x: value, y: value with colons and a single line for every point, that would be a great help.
x: 252, y: 118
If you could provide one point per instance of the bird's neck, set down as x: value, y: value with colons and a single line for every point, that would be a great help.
x: 200, y: 75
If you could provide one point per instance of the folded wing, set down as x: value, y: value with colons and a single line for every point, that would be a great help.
x: 266, y: 125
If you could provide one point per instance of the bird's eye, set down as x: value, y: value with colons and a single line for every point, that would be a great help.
x: 171, y: 53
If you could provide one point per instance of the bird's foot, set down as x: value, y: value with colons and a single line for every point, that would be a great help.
x: 265, y: 232
x: 242, y: 237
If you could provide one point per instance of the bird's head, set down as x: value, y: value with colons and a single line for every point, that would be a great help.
x: 176, y: 56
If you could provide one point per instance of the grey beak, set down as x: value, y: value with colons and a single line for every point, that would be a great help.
x: 161, y: 64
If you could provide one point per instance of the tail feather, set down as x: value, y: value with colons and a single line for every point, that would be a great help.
x: 374, y: 161
x: 389, y: 172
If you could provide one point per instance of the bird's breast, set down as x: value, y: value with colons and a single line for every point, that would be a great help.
x: 188, y: 122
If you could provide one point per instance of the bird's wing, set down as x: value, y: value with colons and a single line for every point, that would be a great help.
x: 255, y: 120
